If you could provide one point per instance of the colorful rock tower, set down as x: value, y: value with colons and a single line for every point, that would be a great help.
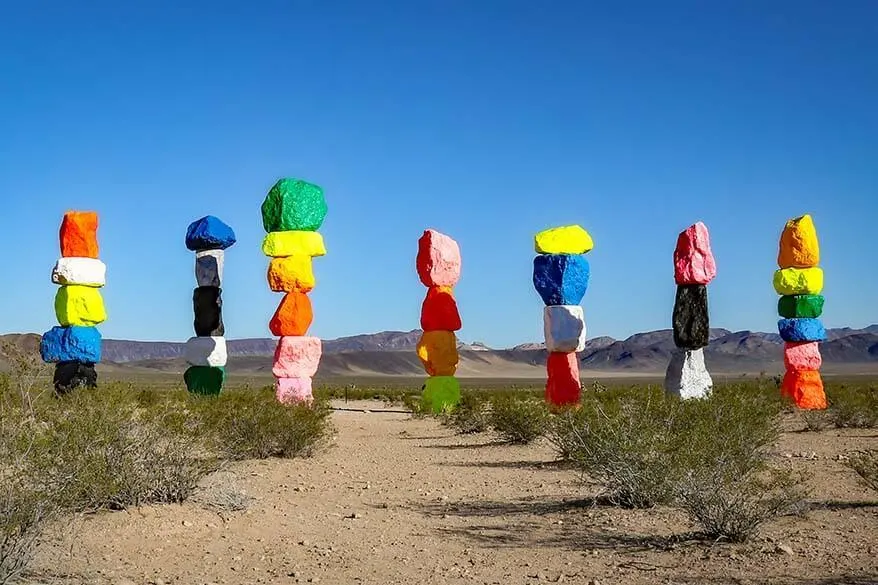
x: 560, y: 277
x: 206, y: 353
x: 799, y: 281
x: 75, y: 346
x: 438, y: 265
x: 694, y: 268
x: 292, y: 212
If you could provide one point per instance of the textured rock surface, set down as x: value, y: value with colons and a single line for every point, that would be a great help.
x: 82, y: 271
x: 561, y: 279
x: 205, y: 351
x: 563, y: 386
x: 691, y: 321
x: 293, y: 390
x: 693, y: 259
x: 291, y: 273
x: 297, y: 357
x: 293, y: 315
x: 800, y: 306
x: 802, y: 356
x: 798, y: 281
x: 209, y: 267
x: 207, y: 304
x: 204, y: 379
x: 805, y: 388
x: 293, y: 243
x: 439, y: 310
x: 293, y: 204
x: 79, y: 305
x: 564, y: 328
x: 799, y: 247
x: 209, y: 233
x: 79, y: 234
x: 438, y: 352
x: 797, y: 330
x: 441, y: 392
x: 74, y: 374
x: 64, y: 344
x: 568, y: 239
x: 687, y: 376
x: 438, y: 261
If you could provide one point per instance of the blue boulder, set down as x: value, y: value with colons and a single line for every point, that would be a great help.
x: 561, y: 279
x: 209, y: 233
x: 66, y: 344
x: 795, y: 330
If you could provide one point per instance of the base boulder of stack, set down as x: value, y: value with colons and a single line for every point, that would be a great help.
x: 293, y: 390
x: 805, y: 388
x: 74, y: 374
x: 441, y: 392
x: 207, y: 380
x: 687, y: 375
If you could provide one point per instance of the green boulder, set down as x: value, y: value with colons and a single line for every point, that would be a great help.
x: 441, y: 393
x: 800, y: 306
x: 205, y: 379
x: 293, y: 205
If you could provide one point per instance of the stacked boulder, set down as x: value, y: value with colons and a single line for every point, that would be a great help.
x: 560, y: 277
x: 438, y: 264
x: 799, y: 281
x: 206, y: 353
x: 292, y: 212
x: 75, y: 345
x: 694, y: 268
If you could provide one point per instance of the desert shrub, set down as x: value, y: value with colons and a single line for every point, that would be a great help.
x: 853, y: 406
x: 519, y: 420
x: 470, y: 416
x: 866, y: 466
x: 815, y: 420
x: 23, y: 515
x: 254, y: 425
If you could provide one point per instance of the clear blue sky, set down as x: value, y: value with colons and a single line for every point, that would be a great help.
x: 488, y: 120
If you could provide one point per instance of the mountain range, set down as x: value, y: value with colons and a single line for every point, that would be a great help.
x: 392, y: 353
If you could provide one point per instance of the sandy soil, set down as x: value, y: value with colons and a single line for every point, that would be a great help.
x: 397, y: 500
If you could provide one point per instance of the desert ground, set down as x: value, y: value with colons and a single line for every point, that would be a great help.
x: 397, y: 500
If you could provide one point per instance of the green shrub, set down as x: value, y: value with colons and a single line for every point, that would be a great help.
x: 853, y: 406
x: 470, y: 416
x: 519, y: 420
x: 866, y: 466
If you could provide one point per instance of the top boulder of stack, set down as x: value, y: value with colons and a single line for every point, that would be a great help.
x: 798, y: 244
x: 209, y: 233
x: 293, y: 204
x: 693, y: 259
x: 568, y: 239
x: 79, y: 234
x: 438, y: 261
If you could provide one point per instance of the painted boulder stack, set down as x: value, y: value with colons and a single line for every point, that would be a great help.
x: 74, y: 346
x: 560, y: 277
x: 206, y: 352
x: 438, y: 265
x: 799, y: 281
x: 694, y: 268
x: 292, y: 212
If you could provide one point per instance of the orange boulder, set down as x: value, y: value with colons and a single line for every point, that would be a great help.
x: 79, y: 234
x: 293, y: 316
x: 805, y: 388
x: 438, y: 352
x: 563, y: 385
x: 439, y: 310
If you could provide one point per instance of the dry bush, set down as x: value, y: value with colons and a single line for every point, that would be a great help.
x: 519, y: 420
x: 471, y: 415
x: 853, y: 406
x: 866, y: 466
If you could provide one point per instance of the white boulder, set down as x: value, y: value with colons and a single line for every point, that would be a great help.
x: 209, y: 267
x: 687, y: 376
x: 206, y: 351
x: 564, y: 328
x: 82, y: 271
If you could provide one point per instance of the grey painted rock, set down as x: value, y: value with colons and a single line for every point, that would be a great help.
x: 208, y: 304
x: 209, y: 267
x: 687, y: 376
x: 691, y: 321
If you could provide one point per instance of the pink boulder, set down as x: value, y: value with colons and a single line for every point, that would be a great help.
x: 693, y: 259
x: 293, y: 390
x: 297, y: 357
x: 802, y: 356
x: 438, y: 261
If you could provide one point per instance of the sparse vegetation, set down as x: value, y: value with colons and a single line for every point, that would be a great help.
x: 472, y: 415
x: 852, y: 406
x: 519, y: 420
x: 866, y: 466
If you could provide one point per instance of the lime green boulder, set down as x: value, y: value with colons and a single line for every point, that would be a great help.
x: 293, y: 204
x: 441, y: 393
x: 205, y: 379
x: 800, y: 306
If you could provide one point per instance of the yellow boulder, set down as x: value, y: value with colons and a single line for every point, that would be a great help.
x: 438, y: 352
x: 568, y: 239
x: 77, y: 305
x: 293, y: 243
x: 798, y: 244
x: 291, y: 273
x: 798, y: 281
